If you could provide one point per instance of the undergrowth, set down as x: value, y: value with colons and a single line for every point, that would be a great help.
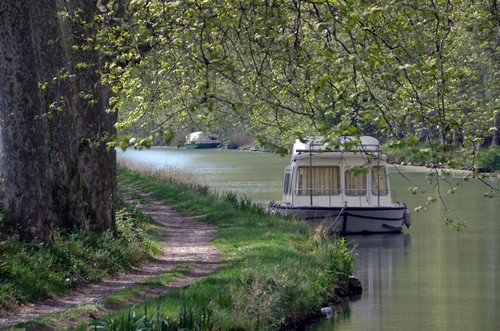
x: 34, y: 271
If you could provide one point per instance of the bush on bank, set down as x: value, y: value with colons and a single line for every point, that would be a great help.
x: 489, y: 159
x: 484, y: 160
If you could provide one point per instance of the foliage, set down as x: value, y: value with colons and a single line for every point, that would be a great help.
x: 342, y: 262
x: 411, y: 156
x: 409, y: 72
x: 483, y: 160
x: 33, y: 271
x: 489, y: 159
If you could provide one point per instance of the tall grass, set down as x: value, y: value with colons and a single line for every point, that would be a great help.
x: 186, y: 181
x: 168, y: 175
x: 277, y: 272
x: 155, y: 321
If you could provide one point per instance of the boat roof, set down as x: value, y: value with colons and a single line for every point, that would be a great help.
x: 344, y: 144
x: 198, y: 135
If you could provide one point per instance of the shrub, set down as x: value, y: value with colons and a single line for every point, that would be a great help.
x: 240, y: 139
x: 273, y: 296
x: 408, y: 155
x: 489, y: 159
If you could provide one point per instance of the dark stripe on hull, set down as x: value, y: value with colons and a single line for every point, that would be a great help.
x: 351, y: 219
x: 201, y: 146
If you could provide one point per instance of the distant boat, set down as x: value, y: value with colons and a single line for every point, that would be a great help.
x: 200, y: 139
x: 343, y: 185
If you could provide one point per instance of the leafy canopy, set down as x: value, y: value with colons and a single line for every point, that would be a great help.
x: 408, y: 72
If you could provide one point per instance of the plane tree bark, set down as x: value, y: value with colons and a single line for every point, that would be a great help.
x: 54, y: 165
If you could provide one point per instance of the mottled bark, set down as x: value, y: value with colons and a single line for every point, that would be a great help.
x: 55, y: 167
x: 24, y: 151
x: 84, y: 170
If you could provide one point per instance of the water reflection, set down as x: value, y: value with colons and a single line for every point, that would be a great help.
x: 375, y: 260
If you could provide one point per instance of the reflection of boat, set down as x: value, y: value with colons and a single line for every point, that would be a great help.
x: 382, y: 241
x: 343, y: 184
x: 379, y: 259
x: 200, y: 139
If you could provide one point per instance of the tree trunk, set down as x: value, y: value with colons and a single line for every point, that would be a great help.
x: 55, y: 167
x: 84, y: 170
x: 24, y: 149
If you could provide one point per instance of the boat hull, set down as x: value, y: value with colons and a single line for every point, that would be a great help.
x: 201, y: 146
x: 376, y: 219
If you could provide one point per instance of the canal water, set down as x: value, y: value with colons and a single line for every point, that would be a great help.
x: 427, y: 278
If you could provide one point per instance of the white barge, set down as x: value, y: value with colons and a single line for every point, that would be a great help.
x: 201, y: 140
x: 343, y: 185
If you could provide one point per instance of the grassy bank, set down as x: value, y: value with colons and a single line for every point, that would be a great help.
x: 276, y: 273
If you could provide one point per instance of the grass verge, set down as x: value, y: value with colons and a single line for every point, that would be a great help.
x: 277, y: 273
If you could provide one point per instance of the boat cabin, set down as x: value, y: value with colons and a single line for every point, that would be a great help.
x: 349, y: 172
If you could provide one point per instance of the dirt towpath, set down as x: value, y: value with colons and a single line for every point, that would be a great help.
x: 185, y: 240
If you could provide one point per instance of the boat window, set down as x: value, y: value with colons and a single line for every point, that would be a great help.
x: 286, y: 181
x: 379, y: 181
x: 355, y: 182
x: 319, y: 180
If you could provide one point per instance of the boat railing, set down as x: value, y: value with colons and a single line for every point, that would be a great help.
x: 343, y: 194
x: 344, y: 147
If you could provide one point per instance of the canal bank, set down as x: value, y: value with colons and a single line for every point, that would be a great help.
x: 274, y: 274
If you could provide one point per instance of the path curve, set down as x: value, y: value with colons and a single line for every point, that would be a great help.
x: 184, y: 240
